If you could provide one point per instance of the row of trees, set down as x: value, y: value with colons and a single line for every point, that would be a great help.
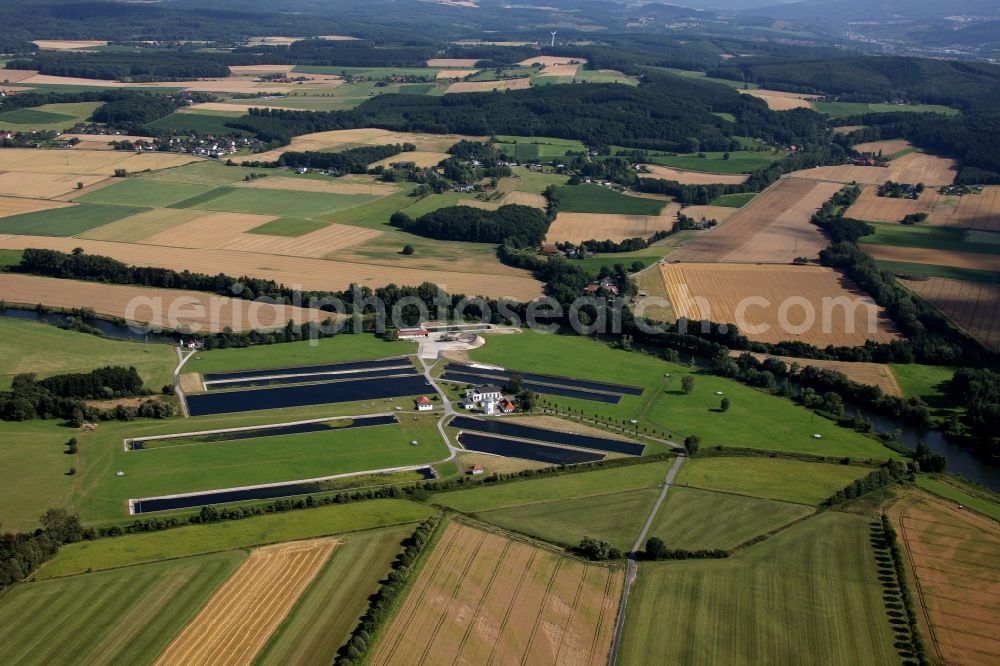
x: 353, y: 160
x: 524, y: 226
x: 23, y: 552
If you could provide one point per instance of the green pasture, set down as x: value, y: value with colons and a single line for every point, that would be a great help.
x: 616, y: 518
x: 204, y: 172
x: 272, y: 202
x: 693, y: 519
x: 235, y: 463
x: 201, y: 122
x: 65, y: 222
x: 755, y: 419
x: 780, y: 479
x: 147, y: 193
x: 955, y: 490
x: 126, y: 616
x: 338, y: 349
x: 56, y: 117
x: 600, y: 482
x: 734, y: 200
x: 326, y: 520
x: 933, y: 238
x: 740, y: 161
x: 843, y: 109
x: 528, y: 148
x: 589, y: 198
x: 932, y: 270
x: 810, y: 594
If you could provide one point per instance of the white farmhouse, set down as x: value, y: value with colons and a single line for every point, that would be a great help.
x: 484, y: 393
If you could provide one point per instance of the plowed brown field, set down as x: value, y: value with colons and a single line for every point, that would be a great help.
x: 773, y: 228
x: 239, y: 619
x: 696, y: 177
x: 161, y: 308
x: 973, y: 306
x: 954, y: 556
x: 776, y: 303
x: 484, y: 599
x: 306, y: 273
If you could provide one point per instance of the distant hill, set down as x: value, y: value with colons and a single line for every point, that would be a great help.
x: 872, y: 10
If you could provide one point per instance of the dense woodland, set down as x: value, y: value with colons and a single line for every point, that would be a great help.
x: 523, y: 226
x: 353, y: 160
x: 137, y: 65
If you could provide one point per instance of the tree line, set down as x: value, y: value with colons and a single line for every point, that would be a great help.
x: 136, y: 66
x: 353, y: 160
x: 522, y: 225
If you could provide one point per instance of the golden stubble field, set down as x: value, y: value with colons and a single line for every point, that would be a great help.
x: 921, y: 255
x: 487, y: 86
x: 772, y: 303
x: 240, y: 617
x: 483, y: 598
x: 302, y: 272
x: 44, y: 185
x: 344, y: 139
x: 980, y: 212
x: 913, y: 168
x: 552, y: 60
x: 695, y: 177
x: 781, y: 101
x: 973, y: 306
x: 18, y: 206
x: 954, y: 557
x: 579, y: 227
x: 160, y: 308
x: 872, y: 374
x: 94, y: 162
x: 773, y: 228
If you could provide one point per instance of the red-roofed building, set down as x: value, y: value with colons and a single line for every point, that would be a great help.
x: 506, y: 406
x: 424, y: 404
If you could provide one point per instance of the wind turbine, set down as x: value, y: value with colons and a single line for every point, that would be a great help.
x: 554, y: 37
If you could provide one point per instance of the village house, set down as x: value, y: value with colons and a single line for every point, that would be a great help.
x: 424, y: 404
x: 484, y: 393
x: 476, y: 470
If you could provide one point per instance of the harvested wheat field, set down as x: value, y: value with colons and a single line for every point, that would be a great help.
x: 237, y: 107
x: 43, y: 185
x: 525, y: 199
x: 695, y: 177
x: 781, y: 101
x: 337, y: 38
x: 811, y: 304
x: 452, y: 62
x: 483, y: 598
x: 913, y: 168
x: 317, y: 244
x: 169, y: 309
x: 455, y: 73
x: 208, y: 230
x: 137, y: 228
x: 338, y: 186
x: 718, y: 213
x: 847, y: 129
x: 17, y: 75
x: 241, y: 616
x: 552, y: 60
x: 68, y: 44
x: 652, y: 300
x: 306, y: 273
x: 919, y: 255
x: 488, y: 86
x: 568, y: 69
x: 344, y: 139
x: 49, y: 79
x: 886, y: 148
x: 18, y: 206
x: 872, y: 374
x: 954, y: 555
x: 83, y: 162
x: 100, y: 141
x: 774, y: 227
x: 260, y: 70
x: 980, y: 212
x: 579, y: 227
x: 421, y: 158
x: 973, y: 306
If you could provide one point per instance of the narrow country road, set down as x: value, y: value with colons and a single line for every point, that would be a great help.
x: 631, y: 568
x: 182, y: 358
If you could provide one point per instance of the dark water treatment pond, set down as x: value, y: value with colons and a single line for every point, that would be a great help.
x: 608, y: 398
x: 551, y: 436
x: 249, y: 400
x: 309, y: 369
x: 317, y: 377
x: 509, y: 448
x: 553, y: 380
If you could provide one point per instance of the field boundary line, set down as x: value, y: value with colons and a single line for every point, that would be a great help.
x: 474, y: 514
x: 730, y: 492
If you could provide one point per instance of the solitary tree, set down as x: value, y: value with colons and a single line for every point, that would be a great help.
x: 691, y: 444
x: 655, y: 548
x: 724, y: 405
x: 408, y: 250
x: 687, y: 384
